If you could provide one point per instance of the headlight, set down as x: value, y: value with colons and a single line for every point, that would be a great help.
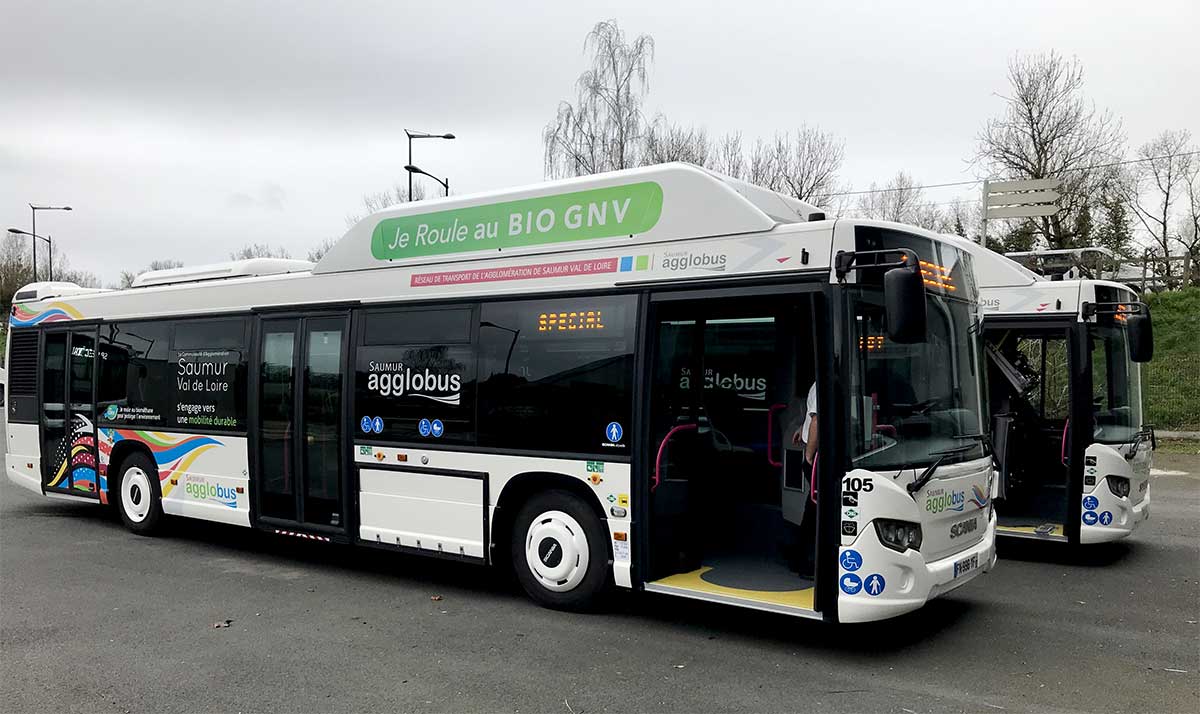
x: 898, y: 535
x: 1119, y: 485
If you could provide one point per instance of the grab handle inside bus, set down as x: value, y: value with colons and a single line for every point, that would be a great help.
x: 662, y: 449
x: 771, y: 434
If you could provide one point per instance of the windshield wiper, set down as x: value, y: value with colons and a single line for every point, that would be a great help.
x: 928, y: 473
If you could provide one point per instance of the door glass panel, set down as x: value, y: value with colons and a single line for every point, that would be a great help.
x: 82, y: 441
x: 277, y: 400
x: 322, y: 421
x: 54, y: 413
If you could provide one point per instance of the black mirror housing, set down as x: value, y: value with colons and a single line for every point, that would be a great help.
x: 1141, y: 336
x: 904, y: 303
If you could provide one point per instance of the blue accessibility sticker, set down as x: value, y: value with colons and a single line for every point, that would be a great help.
x: 1090, y: 518
x: 424, y: 427
x: 365, y: 425
x: 850, y: 583
x: 1090, y: 502
x: 851, y: 560
x: 377, y: 425
x: 874, y: 584
x: 1106, y: 518
x: 437, y: 428
x: 614, y: 432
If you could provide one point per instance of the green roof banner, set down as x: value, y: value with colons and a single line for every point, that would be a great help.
x: 559, y: 218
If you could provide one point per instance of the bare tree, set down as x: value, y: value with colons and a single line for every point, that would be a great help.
x: 727, y: 157
x: 602, y: 130
x: 1049, y: 130
x: 664, y: 141
x: 127, y: 277
x: 319, y: 250
x: 803, y: 164
x: 902, y: 200
x: 260, y: 250
x: 1159, y: 181
x: 375, y: 202
x: 1189, y: 223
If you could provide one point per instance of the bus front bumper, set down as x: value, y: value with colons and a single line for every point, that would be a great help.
x: 909, y: 581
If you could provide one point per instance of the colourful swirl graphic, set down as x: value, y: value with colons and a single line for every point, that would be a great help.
x: 173, y: 453
x: 24, y: 316
x: 75, y: 456
x: 978, y: 497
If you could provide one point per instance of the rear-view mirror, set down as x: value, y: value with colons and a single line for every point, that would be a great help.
x: 904, y: 304
x: 1141, y: 336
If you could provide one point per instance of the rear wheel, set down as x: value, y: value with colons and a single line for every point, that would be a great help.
x: 138, y: 498
x: 559, y: 551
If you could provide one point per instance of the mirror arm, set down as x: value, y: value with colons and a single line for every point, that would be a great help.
x: 845, y: 261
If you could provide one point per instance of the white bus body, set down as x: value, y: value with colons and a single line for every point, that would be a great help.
x: 594, y: 379
x: 1063, y: 377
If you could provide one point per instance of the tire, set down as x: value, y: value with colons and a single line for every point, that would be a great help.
x: 139, y: 499
x: 560, y: 551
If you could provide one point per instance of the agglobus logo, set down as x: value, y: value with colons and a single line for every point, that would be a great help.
x: 941, y: 500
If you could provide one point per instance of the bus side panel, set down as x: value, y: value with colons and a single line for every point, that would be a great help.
x: 608, y: 480
x: 23, y: 458
x: 200, y: 476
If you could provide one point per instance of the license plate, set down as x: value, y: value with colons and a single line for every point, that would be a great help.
x: 966, y: 565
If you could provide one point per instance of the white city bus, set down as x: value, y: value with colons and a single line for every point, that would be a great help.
x: 1066, y: 401
x: 599, y: 381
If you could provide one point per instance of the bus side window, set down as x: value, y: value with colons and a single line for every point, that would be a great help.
x: 557, y: 374
x: 416, y: 368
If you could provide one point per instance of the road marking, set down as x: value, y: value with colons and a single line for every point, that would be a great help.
x: 1167, y: 472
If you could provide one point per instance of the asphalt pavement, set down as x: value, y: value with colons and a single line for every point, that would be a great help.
x: 96, y: 619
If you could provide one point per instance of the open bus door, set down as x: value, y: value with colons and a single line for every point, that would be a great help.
x: 1037, y: 374
x: 68, y: 411
x: 727, y: 379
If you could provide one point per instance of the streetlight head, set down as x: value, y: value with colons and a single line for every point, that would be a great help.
x: 447, y: 136
x: 16, y: 231
x: 412, y: 169
x: 68, y: 208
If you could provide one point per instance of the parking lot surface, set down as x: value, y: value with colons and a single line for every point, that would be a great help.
x: 95, y: 619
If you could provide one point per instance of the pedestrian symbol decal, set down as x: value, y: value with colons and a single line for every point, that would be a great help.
x: 614, y: 432
x: 850, y: 583
x: 377, y: 425
x: 851, y: 560
x: 365, y: 425
x: 874, y: 584
x: 437, y: 428
x: 1106, y: 518
x: 1090, y: 518
x: 424, y: 427
x: 1090, y: 502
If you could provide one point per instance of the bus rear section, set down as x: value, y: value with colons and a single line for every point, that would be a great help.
x: 1067, y: 412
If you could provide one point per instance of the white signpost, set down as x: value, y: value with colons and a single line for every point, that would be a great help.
x: 1026, y: 198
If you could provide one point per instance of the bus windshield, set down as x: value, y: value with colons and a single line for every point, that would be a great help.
x: 1116, y: 383
x: 912, y: 404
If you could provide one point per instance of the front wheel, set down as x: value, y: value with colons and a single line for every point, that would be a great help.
x: 139, y: 500
x: 560, y: 551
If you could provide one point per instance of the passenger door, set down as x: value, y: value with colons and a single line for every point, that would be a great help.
x: 68, y: 412
x: 299, y: 475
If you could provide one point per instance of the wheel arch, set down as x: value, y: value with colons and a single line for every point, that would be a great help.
x: 121, y: 452
x: 523, y: 486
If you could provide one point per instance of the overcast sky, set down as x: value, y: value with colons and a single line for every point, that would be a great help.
x: 186, y: 130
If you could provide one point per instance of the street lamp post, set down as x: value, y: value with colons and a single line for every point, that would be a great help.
x: 36, y: 238
x: 33, y: 232
x: 417, y: 170
x: 420, y: 135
